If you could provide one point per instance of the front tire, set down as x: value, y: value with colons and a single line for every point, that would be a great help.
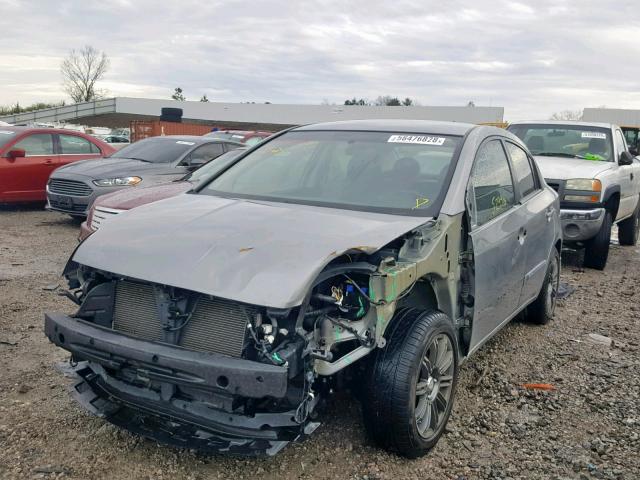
x: 597, y: 249
x: 542, y: 309
x: 628, y: 229
x: 410, y: 389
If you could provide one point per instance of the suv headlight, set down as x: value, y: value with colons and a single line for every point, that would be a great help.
x: 117, y: 182
x: 582, y: 190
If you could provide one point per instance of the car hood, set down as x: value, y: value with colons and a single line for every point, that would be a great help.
x: 129, y: 198
x: 559, y: 168
x: 254, y: 252
x: 108, y: 167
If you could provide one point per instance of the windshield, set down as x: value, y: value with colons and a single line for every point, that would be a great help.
x: 156, y: 150
x: 571, y: 141
x: 373, y: 171
x: 6, y: 136
x: 214, y: 166
x: 236, y: 137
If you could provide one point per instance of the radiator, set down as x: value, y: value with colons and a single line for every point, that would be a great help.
x: 216, y: 326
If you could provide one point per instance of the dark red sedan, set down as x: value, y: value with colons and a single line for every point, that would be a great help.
x: 29, y: 155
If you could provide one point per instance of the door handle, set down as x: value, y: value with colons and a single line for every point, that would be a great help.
x: 631, y: 175
x: 522, y: 235
x: 549, y: 214
x: 48, y: 161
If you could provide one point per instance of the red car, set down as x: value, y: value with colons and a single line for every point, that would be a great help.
x: 248, y: 137
x: 29, y: 155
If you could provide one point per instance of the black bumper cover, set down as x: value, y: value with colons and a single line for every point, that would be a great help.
x: 170, y: 420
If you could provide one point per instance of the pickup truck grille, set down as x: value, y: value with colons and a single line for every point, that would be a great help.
x: 100, y: 214
x: 73, y: 188
x: 216, y: 326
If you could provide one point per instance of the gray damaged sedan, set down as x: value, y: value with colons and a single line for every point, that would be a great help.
x: 375, y: 254
x: 73, y: 188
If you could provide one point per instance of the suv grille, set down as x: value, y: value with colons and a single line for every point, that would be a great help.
x: 100, y: 214
x: 216, y: 326
x: 69, y: 187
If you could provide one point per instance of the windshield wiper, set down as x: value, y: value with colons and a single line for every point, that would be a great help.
x: 556, y: 154
x: 134, y: 158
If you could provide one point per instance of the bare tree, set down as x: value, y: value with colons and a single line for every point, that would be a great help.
x: 567, y: 115
x: 81, y: 70
x: 178, y: 95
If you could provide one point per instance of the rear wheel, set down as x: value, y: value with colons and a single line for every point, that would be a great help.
x: 543, y: 308
x: 628, y: 229
x: 597, y: 249
x: 409, y: 392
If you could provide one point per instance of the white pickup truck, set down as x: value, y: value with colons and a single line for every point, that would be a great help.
x: 596, y: 177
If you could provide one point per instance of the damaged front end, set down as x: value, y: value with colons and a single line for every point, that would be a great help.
x: 198, y: 371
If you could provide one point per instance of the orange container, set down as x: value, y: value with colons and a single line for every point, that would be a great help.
x: 144, y: 129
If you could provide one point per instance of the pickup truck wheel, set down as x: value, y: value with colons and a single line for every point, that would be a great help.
x: 597, y: 249
x: 543, y: 307
x: 628, y: 229
x: 410, y: 389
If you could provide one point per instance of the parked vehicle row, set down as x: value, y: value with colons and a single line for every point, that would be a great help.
x: 73, y: 188
x: 120, y: 201
x: 378, y: 252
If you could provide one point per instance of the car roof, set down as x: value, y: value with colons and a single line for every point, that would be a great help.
x: 393, y: 126
x: 22, y: 129
x: 564, y: 122
x: 197, y: 139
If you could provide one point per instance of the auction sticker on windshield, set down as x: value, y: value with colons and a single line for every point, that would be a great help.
x: 419, y: 139
x: 594, y: 135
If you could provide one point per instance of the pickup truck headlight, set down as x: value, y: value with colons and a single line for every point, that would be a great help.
x: 117, y: 182
x: 582, y: 190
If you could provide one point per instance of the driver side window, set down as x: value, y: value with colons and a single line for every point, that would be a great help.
x: 205, y: 153
x: 491, y: 189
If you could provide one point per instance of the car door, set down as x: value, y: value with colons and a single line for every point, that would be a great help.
x: 626, y: 176
x: 498, y: 238
x: 537, y: 204
x: 25, y: 178
x: 75, y: 147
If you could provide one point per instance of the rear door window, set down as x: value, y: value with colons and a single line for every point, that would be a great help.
x: 522, y: 170
x: 73, y: 145
x: 36, y: 144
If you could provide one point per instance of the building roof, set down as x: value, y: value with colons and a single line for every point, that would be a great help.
x: 564, y: 122
x: 118, y: 112
x: 395, y: 125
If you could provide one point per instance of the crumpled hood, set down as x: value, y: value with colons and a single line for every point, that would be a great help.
x: 559, y: 168
x: 255, y: 252
x: 129, y: 198
x: 107, y: 167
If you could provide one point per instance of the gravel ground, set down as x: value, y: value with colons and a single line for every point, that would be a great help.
x: 587, y: 427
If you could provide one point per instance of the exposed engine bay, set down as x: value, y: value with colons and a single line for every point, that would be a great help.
x: 202, y: 372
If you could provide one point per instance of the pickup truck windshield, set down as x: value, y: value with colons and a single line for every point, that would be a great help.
x: 570, y: 141
x: 371, y: 171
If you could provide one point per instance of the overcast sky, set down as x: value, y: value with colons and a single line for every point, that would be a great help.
x: 533, y: 58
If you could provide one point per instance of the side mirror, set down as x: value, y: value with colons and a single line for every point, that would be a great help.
x: 626, y: 158
x: 16, y: 153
